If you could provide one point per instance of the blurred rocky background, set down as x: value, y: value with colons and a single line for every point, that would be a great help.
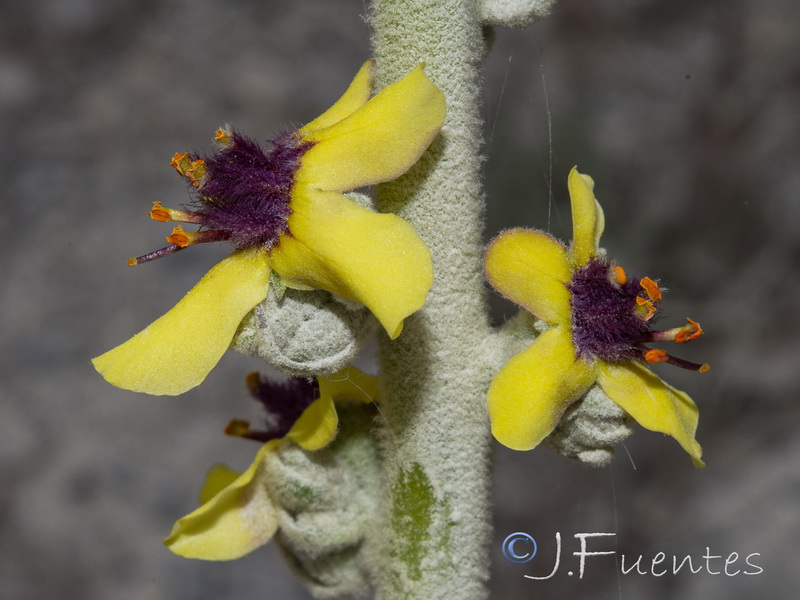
x: 685, y: 113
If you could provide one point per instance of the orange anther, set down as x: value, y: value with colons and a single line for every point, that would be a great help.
x: 689, y: 332
x: 159, y: 213
x: 648, y: 306
x: 179, y: 237
x: 223, y: 137
x: 656, y: 356
x: 253, y: 381
x: 132, y: 262
x: 181, y: 163
x: 622, y: 278
x: 237, y: 427
x: 704, y: 368
x: 196, y: 171
x: 652, y: 289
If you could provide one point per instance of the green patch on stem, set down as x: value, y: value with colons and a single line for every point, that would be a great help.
x: 412, y: 513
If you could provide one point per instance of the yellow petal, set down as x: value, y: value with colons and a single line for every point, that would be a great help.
x: 236, y: 521
x: 350, y: 384
x: 354, y: 98
x: 316, y: 427
x: 531, y: 268
x: 654, y: 404
x: 588, y: 220
x: 218, y: 478
x: 379, y: 141
x: 372, y: 258
x: 176, y: 352
x: 530, y: 393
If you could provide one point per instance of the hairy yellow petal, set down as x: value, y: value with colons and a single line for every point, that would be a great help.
x: 217, y: 479
x: 176, y: 352
x: 237, y: 520
x: 531, y: 268
x: 350, y: 384
x: 653, y: 403
x: 588, y: 220
x: 530, y: 393
x: 372, y: 258
x: 316, y: 427
x: 354, y: 98
x: 379, y: 141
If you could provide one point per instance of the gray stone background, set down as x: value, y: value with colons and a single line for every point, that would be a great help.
x: 685, y: 113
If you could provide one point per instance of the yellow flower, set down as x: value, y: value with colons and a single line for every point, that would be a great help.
x: 238, y: 514
x: 598, y: 330
x: 284, y: 210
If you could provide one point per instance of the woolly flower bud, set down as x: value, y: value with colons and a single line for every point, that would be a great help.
x: 304, y: 333
x: 590, y: 429
x: 327, y: 504
x: 514, y: 13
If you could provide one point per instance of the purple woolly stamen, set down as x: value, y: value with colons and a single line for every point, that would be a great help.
x: 283, y: 402
x: 605, y: 322
x: 242, y: 194
x: 246, y: 190
x: 171, y: 249
x: 610, y: 317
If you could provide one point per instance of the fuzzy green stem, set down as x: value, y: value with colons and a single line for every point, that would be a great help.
x: 433, y: 538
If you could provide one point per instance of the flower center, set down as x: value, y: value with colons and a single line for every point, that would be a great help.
x: 611, y: 314
x: 283, y: 403
x: 605, y: 320
x: 242, y: 194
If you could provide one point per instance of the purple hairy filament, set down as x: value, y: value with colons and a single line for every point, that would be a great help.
x: 611, y: 316
x: 241, y: 194
x: 283, y: 403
